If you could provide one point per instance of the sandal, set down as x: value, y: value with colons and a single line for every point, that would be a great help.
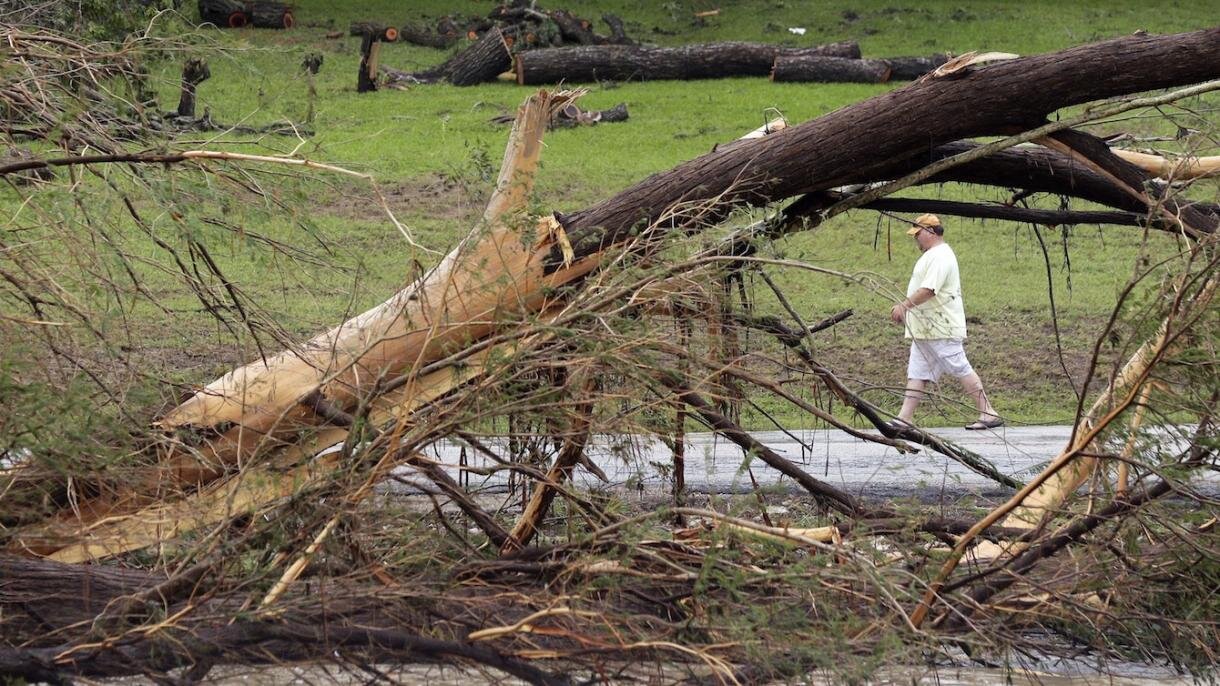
x: 985, y: 424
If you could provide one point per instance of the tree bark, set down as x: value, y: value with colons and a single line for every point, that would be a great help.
x: 366, y: 77
x: 823, y: 69
x: 484, y: 61
x: 621, y: 62
x: 911, y: 68
x: 194, y: 72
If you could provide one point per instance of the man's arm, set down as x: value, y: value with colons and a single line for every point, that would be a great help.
x: 898, y: 312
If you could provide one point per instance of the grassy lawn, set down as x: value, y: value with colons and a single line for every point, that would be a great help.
x: 434, y: 154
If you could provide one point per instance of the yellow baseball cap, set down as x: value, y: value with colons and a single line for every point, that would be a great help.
x: 927, y: 221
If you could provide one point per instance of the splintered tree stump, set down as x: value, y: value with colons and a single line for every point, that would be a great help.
x: 194, y: 72
x: 911, y: 68
x: 620, y: 62
x: 824, y: 69
x: 366, y: 78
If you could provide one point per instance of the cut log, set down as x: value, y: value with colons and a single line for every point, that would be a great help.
x: 621, y: 62
x: 483, y: 61
x: 911, y: 68
x: 422, y: 35
x: 823, y: 69
x: 238, y: 13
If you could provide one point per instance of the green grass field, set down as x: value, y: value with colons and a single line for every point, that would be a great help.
x: 434, y: 154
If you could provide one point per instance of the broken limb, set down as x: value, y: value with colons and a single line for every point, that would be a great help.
x: 1039, y: 498
x: 986, y: 101
x: 1013, y: 568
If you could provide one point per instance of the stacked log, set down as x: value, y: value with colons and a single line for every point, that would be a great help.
x: 235, y: 14
x: 824, y: 69
x: 620, y: 62
x: 483, y: 61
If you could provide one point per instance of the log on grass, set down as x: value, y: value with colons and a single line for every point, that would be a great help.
x: 271, y: 15
x: 911, y: 68
x: 422, y: 35
x: 620, y: 62
x: 823, y: 69
x: 483, y: 61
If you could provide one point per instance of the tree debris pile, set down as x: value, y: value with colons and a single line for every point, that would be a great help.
x: 235, y: 14
x: 270, y: 501
x: 523, y: 24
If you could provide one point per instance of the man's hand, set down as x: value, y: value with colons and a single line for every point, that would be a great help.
x: 898, y: 313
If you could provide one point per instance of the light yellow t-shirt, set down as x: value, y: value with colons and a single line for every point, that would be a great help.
x: 943, y: 316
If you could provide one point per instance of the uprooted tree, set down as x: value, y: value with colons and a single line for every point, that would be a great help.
x: 552, y: 324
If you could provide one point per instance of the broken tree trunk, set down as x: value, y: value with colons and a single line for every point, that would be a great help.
x: 621, y: 62
x: 366, y: 77
x: 194, y: 72
x: 823, y: 69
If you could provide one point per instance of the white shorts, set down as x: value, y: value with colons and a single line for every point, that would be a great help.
x: 932, y: 357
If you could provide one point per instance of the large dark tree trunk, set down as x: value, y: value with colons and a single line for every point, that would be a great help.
x: 620, y: 62
x: 483, y: 61
x: 873, y: 139
x: 819, y: 68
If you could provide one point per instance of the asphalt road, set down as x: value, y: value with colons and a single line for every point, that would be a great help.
x: 714, y: 465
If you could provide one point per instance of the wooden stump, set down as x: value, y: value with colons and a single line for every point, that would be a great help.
x: 194, y: 72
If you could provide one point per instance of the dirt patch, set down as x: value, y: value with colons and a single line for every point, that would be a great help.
x: 433, y: 197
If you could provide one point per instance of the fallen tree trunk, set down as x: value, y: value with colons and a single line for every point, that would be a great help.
x: 868, y: 141
x: 823, y: 69
x: 621, y: 62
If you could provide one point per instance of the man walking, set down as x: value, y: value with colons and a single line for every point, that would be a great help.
x: 935, y: 321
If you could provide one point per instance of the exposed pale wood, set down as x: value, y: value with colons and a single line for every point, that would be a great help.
x: 1179, y: 169
x: 466, y: 281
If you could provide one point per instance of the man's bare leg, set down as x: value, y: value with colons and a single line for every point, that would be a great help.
x: 910, y: 400
x: 973, y: 386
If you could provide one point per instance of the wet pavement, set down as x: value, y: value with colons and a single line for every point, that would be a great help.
x: 714, y: 465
